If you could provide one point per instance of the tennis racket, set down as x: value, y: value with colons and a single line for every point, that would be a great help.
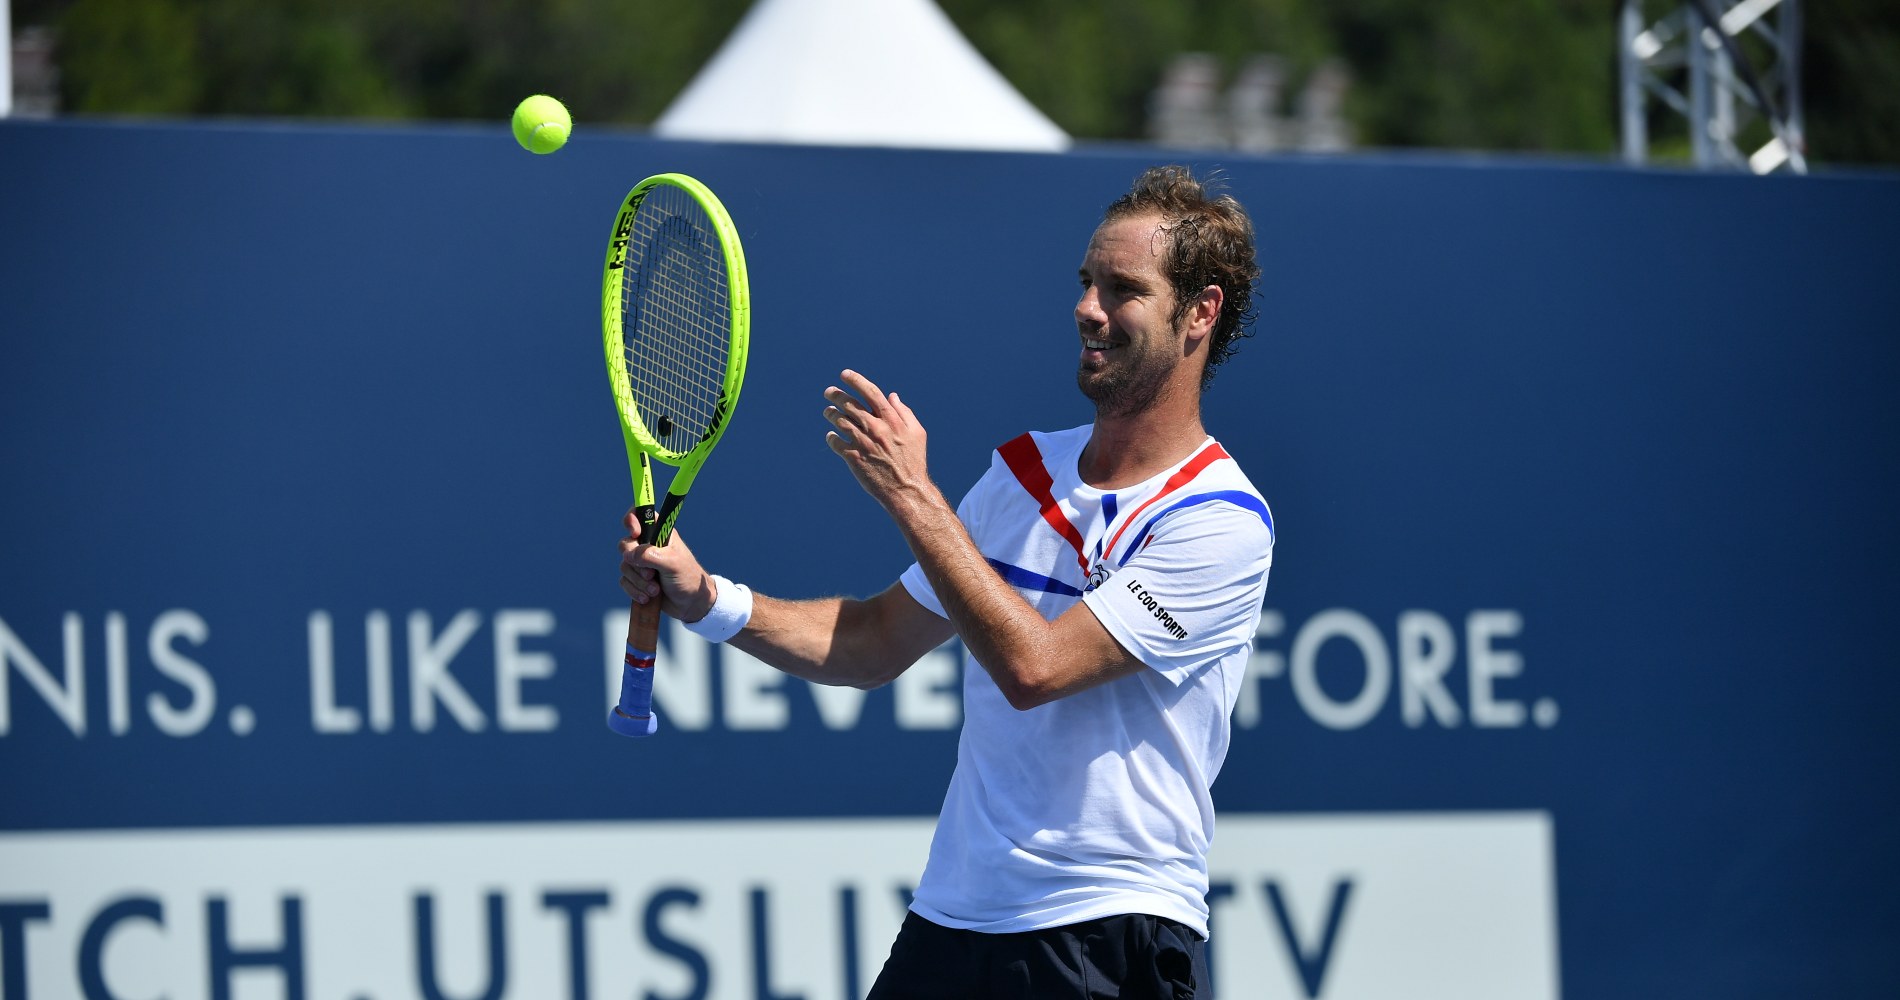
x: 675, y: 317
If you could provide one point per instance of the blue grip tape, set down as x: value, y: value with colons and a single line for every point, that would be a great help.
x: 634, y: 715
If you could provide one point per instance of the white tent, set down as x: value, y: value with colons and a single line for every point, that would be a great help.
x: 855, y: 73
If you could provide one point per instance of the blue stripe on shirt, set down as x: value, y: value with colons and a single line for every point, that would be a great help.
x: 1020, y: 577
x: 1108, y: 521
x: 1239, y: 498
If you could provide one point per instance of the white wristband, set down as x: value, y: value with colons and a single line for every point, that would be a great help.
x: 732, y: 608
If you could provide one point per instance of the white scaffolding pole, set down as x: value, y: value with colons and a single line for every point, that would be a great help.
x: 1689, y: 61
x: 6, y: 58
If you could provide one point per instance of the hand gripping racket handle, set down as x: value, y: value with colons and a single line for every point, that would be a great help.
x: 634, y: 716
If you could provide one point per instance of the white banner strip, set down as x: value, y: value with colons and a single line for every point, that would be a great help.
x: 1382, y: 905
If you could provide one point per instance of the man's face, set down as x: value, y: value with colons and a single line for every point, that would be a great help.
x: 1130, y: 345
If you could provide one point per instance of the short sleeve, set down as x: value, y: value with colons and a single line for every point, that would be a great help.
x: 969, y: 512
x: 920, y: 588
x: 1192, y: 592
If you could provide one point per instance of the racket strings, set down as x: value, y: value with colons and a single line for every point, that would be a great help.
x: 676, y: 318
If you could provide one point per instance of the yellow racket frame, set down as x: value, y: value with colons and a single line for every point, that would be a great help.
x: 642, y: 447
x: 634, y: 715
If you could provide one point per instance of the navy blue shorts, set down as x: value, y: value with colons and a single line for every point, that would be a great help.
x: 1133, y: 957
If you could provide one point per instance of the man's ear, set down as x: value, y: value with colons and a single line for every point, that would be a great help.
x: 1205, y: 312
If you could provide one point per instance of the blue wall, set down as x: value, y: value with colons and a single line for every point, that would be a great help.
x: 256, y: 371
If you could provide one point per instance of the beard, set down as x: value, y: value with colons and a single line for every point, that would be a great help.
x: 1125, y: 386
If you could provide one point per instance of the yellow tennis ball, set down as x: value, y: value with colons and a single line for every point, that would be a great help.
x: 541, y: 124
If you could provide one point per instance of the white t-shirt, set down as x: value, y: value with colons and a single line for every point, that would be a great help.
x: 1097, y: 804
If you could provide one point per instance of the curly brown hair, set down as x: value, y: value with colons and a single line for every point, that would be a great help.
x: 1211, y: 242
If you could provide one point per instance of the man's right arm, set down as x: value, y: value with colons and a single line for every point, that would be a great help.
x: 839, y: 641
x: 843, y: 641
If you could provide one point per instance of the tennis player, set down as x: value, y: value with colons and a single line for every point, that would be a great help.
x: 1106, y: 581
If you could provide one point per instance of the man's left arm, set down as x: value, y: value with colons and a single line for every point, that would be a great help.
x: 1032, y: 660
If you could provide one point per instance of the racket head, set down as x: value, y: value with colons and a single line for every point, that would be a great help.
x: 676, y: 320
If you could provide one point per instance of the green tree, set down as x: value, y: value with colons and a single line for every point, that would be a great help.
x: 1852, y: 75
x: 1531, y: 75
x: 1481, y: 74
x: 1092, y: 66
x: 130, y: 57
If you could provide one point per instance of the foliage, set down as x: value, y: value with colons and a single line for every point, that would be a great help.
x: 622, y: 60
x: 1535, y: 75
x: 1852, y: 101
x: 1091, y: 66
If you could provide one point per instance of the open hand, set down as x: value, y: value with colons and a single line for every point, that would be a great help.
x: 879, y: 438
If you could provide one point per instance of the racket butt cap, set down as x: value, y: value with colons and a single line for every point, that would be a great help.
x: 627, y: 725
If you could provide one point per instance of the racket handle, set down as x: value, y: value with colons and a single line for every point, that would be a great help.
x: 634, y: 715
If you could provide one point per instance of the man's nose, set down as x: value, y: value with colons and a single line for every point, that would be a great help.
x: 1088, y: 309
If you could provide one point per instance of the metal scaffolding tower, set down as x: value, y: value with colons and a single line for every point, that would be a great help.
x: 1698, y: 42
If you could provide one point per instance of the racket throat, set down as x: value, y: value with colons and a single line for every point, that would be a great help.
x: 656, y: 523
x: 663, y: 518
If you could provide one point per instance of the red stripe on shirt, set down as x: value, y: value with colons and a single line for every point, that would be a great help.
x: 1025, y: 462
x: 1207, y: 456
